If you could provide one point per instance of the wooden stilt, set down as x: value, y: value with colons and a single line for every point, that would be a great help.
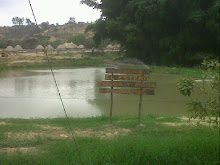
x: 111, y: 100
x: 140, y: 105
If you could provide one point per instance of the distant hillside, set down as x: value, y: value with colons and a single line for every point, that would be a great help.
x: 65, y: 31
x: 28, y: 36
x: 21, y: 32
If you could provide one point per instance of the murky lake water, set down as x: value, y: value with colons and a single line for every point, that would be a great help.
x: 33, y: 94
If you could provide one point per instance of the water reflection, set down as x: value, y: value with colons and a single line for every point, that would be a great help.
x: 32, y: 94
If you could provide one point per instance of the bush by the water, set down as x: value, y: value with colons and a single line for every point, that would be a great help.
x: 210, y: 88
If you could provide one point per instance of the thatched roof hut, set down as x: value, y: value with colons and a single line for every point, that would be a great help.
x: 81, y: 47
x: 70, y: 45
x: 117, y: 47
x: 18, y: 48
x: 60, y: 48
x: 39, y: 47
x: 49, y: 48
x: 109, y: 47
x: 9, y: 49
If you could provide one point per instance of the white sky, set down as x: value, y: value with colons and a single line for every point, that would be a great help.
x: 54, y: 11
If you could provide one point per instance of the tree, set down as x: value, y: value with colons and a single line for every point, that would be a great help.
x: 17, y: 21
x: 14, y: 21
x: 45, y: 25
x: 28, y: 21
x: 177, y: 32
x: 30, y: 43
x: 72, y: 20
x: 82, y: 39
x: 21, y: 21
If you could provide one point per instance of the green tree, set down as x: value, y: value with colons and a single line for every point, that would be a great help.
x: 28, y: 21
x: 72, y: 20
x: 170, y: 32
x: 45, y: 25
x: 17, y: 20
x: 82, y: 39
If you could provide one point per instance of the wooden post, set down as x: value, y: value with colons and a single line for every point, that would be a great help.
x: 111, y: 100
x: 130, y: 78
x: 140, y: 105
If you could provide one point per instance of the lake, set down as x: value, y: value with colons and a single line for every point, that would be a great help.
x: 33, y: 94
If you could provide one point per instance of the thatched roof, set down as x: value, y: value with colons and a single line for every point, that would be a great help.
x: 81, y: 47
x: 117, y: 47
x: 49, y: 48
x: 60, y: 47
x: 39, y: 47
x: 109, y: 47
x: 9, y: 49
x: 70, y: 45
x: 18, y: 47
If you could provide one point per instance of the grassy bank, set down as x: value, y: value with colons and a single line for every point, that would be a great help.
x: 87, y: 59
x: 158, y: 140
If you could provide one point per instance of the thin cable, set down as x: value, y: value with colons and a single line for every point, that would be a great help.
x: 34, y: 16
x: 68, y: 98
x: 51, y: 69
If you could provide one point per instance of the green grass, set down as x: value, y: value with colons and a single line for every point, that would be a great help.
x: 150, y: 143
x: 195, y: 72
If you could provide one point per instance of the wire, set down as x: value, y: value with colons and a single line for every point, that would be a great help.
x: 51, y: 69
x: 10, y: 97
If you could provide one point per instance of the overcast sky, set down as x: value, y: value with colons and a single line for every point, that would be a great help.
x: 54, y: 11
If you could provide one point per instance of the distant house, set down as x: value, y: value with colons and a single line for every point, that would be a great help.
x: 18, y: 48
x: 49, y: 48
x: 117, y: 47
x: 70, y: 46
x: 60, y: 48
x: 81, y: 47
x: 9, y: 49
x: 39, y: 48
x: 109, y: 47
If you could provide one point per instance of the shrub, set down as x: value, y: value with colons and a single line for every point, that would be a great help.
x: 210, y: 107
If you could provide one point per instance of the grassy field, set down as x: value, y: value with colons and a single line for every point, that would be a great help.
x: 85, y: 59
x: 158, y: 140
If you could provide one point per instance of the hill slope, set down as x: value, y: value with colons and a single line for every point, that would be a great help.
x: 55, y: 32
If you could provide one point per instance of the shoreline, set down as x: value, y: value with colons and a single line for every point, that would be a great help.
x: 106, y: 59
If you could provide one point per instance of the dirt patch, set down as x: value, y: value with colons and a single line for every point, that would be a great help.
x: 176, y: 124
x: 59, y: 132
x: 11, y: 151
x: 78, y: 56
x: 105, y: 132
x: 32, y: 135
x: 46, y: 127
x: 3, y: 123
x: 197, y: 121
x: 193, y: 122
x: 124, y: 121
x: 160, y: 118
x: 48, y: 131
x: 24, y: 61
